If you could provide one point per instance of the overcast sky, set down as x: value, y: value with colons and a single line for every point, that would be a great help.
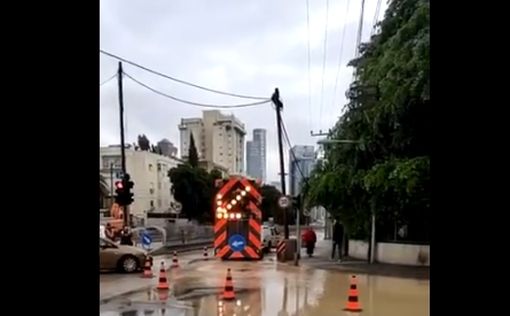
x: 246, y: 47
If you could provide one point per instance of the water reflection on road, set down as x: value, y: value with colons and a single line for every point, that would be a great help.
x: 264, y: 289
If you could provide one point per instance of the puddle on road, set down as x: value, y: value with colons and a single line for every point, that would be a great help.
x: 282, y: 290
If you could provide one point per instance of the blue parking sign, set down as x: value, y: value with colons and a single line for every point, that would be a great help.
x: 146, y: 240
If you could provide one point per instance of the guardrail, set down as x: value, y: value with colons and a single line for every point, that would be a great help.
x: 169, y: 247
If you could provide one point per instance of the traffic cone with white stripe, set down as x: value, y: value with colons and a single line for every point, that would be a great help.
x: 147, y: 269
x: 163, y: 281
x: 175, y: 261
x: 228, y: 293
x: 353, y: 304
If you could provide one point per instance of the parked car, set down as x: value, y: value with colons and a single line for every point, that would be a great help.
x: 122, y: 258
x: 270, y: 237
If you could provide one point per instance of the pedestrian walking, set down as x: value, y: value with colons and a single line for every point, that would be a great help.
x: 338, y: 238
x: 309, y: 238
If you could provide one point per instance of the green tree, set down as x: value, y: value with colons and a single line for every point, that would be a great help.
x: 104, y: 191
x: 269, y: 205
x: 389, y: 113
x: 144, y: 143
x: 193, y: 187
x: 192, y: 152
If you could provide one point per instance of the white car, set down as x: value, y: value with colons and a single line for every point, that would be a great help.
x: 270, y: 238
x: 102, y: 233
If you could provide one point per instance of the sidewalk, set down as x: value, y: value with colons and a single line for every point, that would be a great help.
x: 322, y: 260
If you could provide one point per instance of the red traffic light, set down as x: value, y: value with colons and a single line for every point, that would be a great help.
x: 119, y: 185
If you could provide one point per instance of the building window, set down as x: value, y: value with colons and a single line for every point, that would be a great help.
x: 150, y: 167
x: 152, y: 203
x: 159, y: 167
x: 112, y: 161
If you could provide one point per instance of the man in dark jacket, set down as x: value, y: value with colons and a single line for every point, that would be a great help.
x: 338, y: 238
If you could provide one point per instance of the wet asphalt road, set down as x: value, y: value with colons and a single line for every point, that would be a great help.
x: 262, y: 288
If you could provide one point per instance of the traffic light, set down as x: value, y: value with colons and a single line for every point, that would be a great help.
x: 123, y: 191
x: 119, y: 192
x: 128, y: 185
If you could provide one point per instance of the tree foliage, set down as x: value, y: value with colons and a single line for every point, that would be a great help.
x: 103, y: 187
x: 389, y: 113
x: 192, y: 152
x: 269, y: 205
x: 193, y: 187
x: 144, y: 143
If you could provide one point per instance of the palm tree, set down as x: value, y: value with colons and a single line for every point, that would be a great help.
x: 103, y: 188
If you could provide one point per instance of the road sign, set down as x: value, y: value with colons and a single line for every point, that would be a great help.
x: 284, y: 202
x: 237, y: 242
x: 177, y: 207
x: 146, y: 240
x: 119, y: 174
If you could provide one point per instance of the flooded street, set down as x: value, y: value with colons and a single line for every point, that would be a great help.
x: 270, y: 289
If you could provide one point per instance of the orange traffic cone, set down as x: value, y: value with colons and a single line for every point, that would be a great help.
x: 353, y: 304
x: 163, y: 281
x: 147, y: 269
x: 175, y: 261
x: 162, y: 296
x: 228, y: 293
x: 205, y: 253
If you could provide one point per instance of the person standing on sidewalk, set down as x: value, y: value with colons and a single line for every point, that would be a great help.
x: 338, y: 238
x: 126, y: 237
x: 109, y: 232
x: 310, y: 238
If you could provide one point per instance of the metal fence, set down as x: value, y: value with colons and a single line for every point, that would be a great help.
x: 176, y: 234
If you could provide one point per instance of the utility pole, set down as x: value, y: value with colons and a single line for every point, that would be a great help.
x: 297, y: 255
x: 111, y: 185
x: 279, y: 106
x: 122, y: 144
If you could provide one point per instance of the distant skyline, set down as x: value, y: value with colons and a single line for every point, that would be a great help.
x: 246, y: 47
x: 256, y: 155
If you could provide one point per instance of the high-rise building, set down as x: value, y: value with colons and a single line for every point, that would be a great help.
x: 303, y: 163
x: 256, y: 155
x: 219, y: 139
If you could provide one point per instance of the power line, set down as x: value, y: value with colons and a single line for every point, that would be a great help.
x: 359, y: 37
x: 107, y: 80
x: 341, y: 52
x: 324, y: 59
x: 309, y: 65
x: 360, y: 28
x: 376, y: 17
x: 179, y: 80
x: 195, y: 103
x: 292, y: 153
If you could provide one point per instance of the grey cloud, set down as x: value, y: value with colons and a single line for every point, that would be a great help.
x: 247, y: 47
